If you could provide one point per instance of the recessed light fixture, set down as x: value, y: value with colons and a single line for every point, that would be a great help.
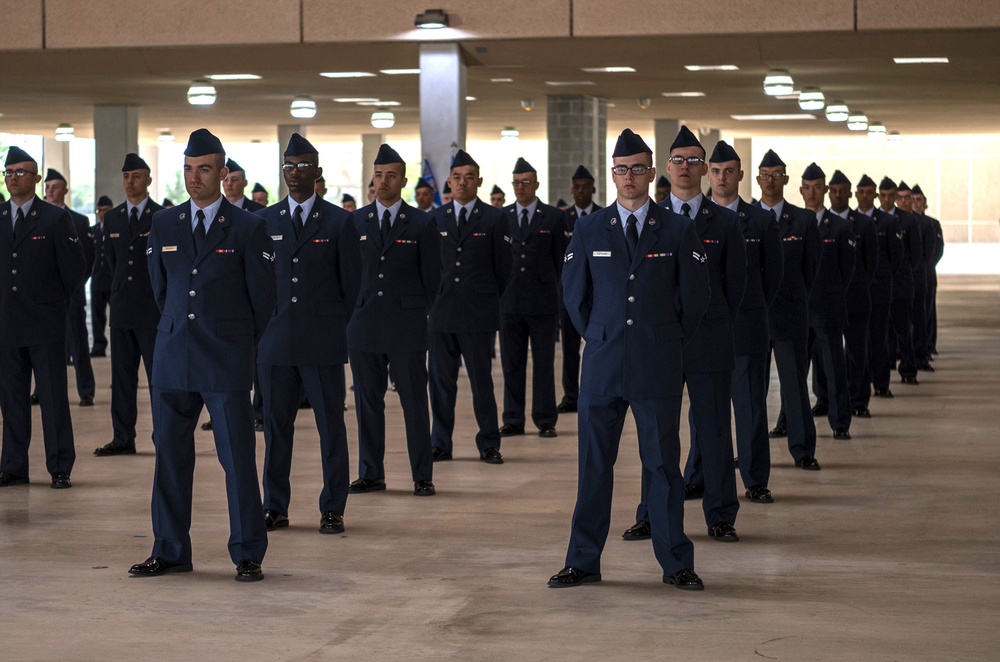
x: 303, y: 108
x: 682, y: 94
x: 857, y: 121
x: 569, y: 83
x: 347, y: 74
x: 354, y: 99
x: 528, y: 104
x: 778, y: 82
x: 509, y: 134
x: 811, y: 98
x: 64, y: 133
x: 608, y: 70
x: 233, y: 77
x: 431, y: 19
x: 470, y: 98
x: 201, y: 93
x: 837, y: 111
x: 776, y: 117
x: 399, y: 72
x: 501, y: 80
x: 711, y: 67
x: 165, y: 137
x: 383, y: 119
x: 643, y: 103
x: 876, y: 130
x: 894, y: 137
x: 920, y: 60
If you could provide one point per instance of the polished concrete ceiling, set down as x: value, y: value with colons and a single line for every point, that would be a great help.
x: 42, y: 89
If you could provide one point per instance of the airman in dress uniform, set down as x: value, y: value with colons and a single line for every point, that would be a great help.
x: 100, y: 282
x: 423, y: 196
x: 387, y: 336
x: 211, y: 266
x: 636, y: 284
x: 235, y: 185
x: 920, y: 207
x: 901, y: 310
x: 259, y: 194
x: 497, y: 197
x: 42, y: 266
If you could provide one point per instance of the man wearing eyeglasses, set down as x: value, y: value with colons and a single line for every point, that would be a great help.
x: 475, y: 271
x: 662, y: 189
x: 530, y: 306
x: 317, y: 262
x: 709, y: 356
x: 583, y: 191
x: 789, y: 318
x: 42, y: 266
x: 901, y: 311
x: 387, y: 334
x: 636, y: 284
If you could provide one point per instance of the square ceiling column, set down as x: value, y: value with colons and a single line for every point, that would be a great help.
x: 116, y: 133
x: 442, y: 106
x: 577, y: 134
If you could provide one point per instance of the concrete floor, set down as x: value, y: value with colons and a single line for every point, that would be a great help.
x: 889, y: 553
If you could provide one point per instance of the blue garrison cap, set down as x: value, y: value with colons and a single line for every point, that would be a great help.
x: 630, y: 143
x: 866, y: 181
x: 496, y: 190
x: 421, y: 183
x: 17, y: 155
x: 134, y: 162
x: 839, y: 178
x: 447, y: 187
x: 723, y: 152
x: 167, y: 202
x: 902, y: 186
x: 562, y: 203
x: 916, y: 190
x: 233, y: 166
x: 886, y: 184
x: 662, y: 182
x: 685, y: 138
x: 582, y: 173
x: 347, y: 197
x: 257, y: 188
x: 53, y: 174
x: 813, y: 172
x: 298, y: 145
x: 202, y: 142
x: 387, y: 155
x: 105, y: 201
x: 771, y: 160
x: 523, y: 166
x: 462, y: 158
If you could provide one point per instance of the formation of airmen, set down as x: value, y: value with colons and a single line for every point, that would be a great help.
x: 221, y: 295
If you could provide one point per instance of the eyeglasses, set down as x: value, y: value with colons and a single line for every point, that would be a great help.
x: 637, y: 169
x: 690, y: 160
x: 522, y: 182
x: 288, y: 167
x: 8, y: 174
x: 776, y: 176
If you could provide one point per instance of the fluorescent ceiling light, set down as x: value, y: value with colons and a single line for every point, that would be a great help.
x: 378, y: 102
x: 233, y: 77
x: 765, y: 118
x: 354, y: 99
x: 682, y: 94
x: 608, y: 70
x: 346, y: 74
x: 778, y: 82
x: 383, y: 119
x: 811, y: 98
x: 837, y: 111
x: 711, y: 67
x: 201, y: 93
x: 64, y: 133
x: 569, y: 83
x: 470, y: 98
x: 399, y: 72
x: 501, y: 80
x: 920, y: 60
x: 858, y: 121
x: 303, y: 108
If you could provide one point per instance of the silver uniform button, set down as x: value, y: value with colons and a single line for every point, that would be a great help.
x: 381, y: 258
x: 191, y: 293
x: 295, y: 299
x: 459, y: 249
x: 14, y: 271
x: 381, y: 275
x: 295, y: 279
x: 523, y: 269
x: 14, y: 289
x: 130, y: 278
x: 131, y: 248
x: 194, y: 272
x: 458, y: 264
x: 631, y: 299
x: 190, y: 316
x: 130, y: 262
x: 295, y: 260
x: 457, y: 279
x: 380, y: 293
x: 631, y: 276
x: 13, y: 254
x: 629, y: 322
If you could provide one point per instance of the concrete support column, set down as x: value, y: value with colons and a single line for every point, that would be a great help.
x: 664, y: 132
x: 285, y: 132
x: 56, y: 155
x: 151, y: 155
x: 116, y: 133
x: 442, y: 107
x: 577, y: 128
x: 708, y: 138
x: 370, y: 143
x: 744, y: 147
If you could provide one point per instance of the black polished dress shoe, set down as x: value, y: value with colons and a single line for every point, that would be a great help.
x: 33, y: 399
x: 883, y: 393
x: 639, y: 531
x: 61, y: 481
x: 926, y: 367
x: 842, y: 434
x: 207, y: 425
x: 8, y: 479
x: 111, y: 448
x: 440, y: 454
x: 424, y: 488
x: 572, y: 577
x: 910, y: 380
x: 565, y: 408
x: 274, y: 520
x: 685, y: 579
x: 98, y: 353
x: 808, y: 463
x: 87, y: 401
x: 820, y: 410
x: 362, y: 485
x: 778, y: 432
x: 491, y: 456
x: 862, y: 412
x: 692, y: 491
x: 547, y: 431
x: 759, y: 494
x: 258, y: 424
x: 723, y: 532
x: 331, y: 522
x: 155, y: 566
x: 508, y: 430
x: 248, y: 571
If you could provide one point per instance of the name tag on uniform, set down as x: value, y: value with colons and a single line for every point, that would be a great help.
x: 168, y: 249
x: 602, y: 253
x: 364, y: 236
x: 277, y: 237
x: 444, y: 234
x: 114, y: 235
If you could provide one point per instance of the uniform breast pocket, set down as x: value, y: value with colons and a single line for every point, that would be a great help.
x: 166, y: 324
